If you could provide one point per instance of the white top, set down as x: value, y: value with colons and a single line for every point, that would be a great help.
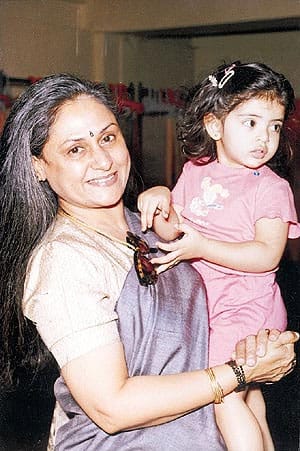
x: 73, y: 281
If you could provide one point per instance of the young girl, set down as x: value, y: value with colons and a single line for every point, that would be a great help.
x: 241, y: 210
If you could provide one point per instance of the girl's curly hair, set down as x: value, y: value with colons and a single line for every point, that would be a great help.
x: 212, y: 95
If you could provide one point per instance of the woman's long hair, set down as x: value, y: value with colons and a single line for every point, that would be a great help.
x: 28, y: 208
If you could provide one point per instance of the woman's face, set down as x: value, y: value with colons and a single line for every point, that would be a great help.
x: 85, y: 160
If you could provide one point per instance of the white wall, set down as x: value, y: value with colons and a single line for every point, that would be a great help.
x: 280, y: 50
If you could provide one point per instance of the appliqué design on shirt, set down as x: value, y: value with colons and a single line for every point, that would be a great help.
x: 211, y: 199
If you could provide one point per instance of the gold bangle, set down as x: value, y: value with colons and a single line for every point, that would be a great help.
x: 216, y: 387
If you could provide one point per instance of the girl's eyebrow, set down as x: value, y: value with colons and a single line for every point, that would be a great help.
x: 79, y: 139
x: 258, y: 116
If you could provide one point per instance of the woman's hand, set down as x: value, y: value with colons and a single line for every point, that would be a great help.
x: 278, y: 361
x: 253, y: 346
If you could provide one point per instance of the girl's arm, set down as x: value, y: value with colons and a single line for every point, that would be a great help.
x: 260, y: 255
x: 156, y: 211
x: 99, y: 382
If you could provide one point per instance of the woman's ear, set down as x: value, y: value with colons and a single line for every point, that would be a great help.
x: 213, y: 126
x: 39, y: 168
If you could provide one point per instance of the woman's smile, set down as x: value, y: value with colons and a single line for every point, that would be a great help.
x: 86, y: 170
x: 105, y: 180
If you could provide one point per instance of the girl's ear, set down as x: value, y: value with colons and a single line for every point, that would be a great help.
x: 39, y: 170
x: 213, y: 126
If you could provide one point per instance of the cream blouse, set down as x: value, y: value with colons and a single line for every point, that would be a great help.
x: 73, y: 281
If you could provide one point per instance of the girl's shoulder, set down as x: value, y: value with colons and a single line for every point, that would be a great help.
x: 192, y: 166
x: 267, y: 176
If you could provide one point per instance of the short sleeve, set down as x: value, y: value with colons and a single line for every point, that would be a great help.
x: 276, y: 200
x: 178, y: 192
x: 65, y: 297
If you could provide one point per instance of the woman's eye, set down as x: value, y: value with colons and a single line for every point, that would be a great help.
x: 108, y: 139
x: 249, y: 123
x: 75, y: 151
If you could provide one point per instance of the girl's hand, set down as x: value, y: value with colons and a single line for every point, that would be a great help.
x: 279, y: 360
x: 151, y: 202
x: 187, y: 247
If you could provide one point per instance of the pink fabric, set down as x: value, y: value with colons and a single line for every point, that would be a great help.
x: 224, y: 203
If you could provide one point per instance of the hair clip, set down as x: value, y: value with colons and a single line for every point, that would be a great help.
x: 213, y: 80
x: 229, y: 72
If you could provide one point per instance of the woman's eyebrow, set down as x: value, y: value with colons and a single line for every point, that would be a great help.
x: 80, y: 138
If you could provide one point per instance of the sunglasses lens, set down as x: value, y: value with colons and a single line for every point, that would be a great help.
x: 143, y: 247
x: 144, y: 268
x: 136, y: 241
x: 146, y: 264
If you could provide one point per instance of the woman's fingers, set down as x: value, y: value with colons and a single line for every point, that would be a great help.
x: 254, y: 346
x: 273, y: 334
x: 263, y: 336
x: 246, y: 351
x: 288, y: 337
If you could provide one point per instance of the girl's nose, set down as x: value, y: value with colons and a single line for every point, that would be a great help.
x: 263, y: 135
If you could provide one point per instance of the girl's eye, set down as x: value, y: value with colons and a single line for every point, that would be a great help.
x: 250, y: 123
x: 276, y: 128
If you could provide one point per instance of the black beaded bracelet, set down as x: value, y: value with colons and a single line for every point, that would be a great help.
x: 239, y: 374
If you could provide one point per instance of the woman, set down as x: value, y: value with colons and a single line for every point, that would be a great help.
x: 130, y: 354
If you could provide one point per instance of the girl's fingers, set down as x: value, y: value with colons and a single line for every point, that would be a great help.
x: 168, y: 247
x: 165, y: 259
x: 162, y: 268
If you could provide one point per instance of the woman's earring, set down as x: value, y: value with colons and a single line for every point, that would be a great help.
x: 39, y: 179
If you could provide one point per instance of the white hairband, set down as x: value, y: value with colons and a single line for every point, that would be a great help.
x: 229, y: 72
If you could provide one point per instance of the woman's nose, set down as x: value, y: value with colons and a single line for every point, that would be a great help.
x: 101, y: 159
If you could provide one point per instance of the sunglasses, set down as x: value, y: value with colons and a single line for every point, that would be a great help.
x: 144, y: 268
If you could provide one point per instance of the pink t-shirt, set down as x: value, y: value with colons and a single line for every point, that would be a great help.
x: 224, y: 203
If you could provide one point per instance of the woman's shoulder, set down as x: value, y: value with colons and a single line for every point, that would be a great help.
x: 71, y: 252
x: 61, y: 242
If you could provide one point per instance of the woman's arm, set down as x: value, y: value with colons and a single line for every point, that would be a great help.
x: 99, y: 382
x: 260, y: 255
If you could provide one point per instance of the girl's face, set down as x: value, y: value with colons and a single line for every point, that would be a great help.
x: 85, y: 160
x: 249, y: 135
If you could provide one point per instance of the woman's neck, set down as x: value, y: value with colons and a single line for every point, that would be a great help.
x: 110, y: 220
